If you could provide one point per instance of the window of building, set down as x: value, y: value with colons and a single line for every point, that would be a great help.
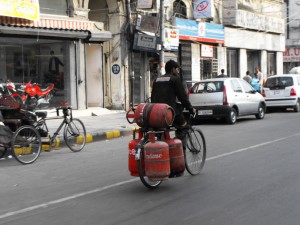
x: 179, y: 9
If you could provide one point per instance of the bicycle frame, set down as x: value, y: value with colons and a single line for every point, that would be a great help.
x: 67, y: 118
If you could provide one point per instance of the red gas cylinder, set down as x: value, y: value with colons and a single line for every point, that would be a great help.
x: 177, y: 162
x: 154, y: 115
x: 157, y: 160
x: 132, y: 163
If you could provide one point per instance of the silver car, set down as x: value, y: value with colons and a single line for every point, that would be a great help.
x: 227, y: 98
x: 282, y: 91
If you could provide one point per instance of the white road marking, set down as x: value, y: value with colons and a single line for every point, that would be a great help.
x: 47, y: 204
x: 251, y: 147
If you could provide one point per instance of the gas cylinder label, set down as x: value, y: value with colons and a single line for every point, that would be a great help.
x: 132, y: 152
x: 154, y: 156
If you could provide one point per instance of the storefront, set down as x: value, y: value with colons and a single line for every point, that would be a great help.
x: 200, y: 52
x: 291, y: 58
x: 49, y: 51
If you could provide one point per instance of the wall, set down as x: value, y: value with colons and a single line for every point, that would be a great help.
x: 237, y: 38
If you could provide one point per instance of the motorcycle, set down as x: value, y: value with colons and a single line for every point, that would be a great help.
x: 31, y: 95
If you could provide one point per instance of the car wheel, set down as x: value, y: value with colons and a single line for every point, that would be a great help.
x: 297, y: 106
x: 232, y: 116
x: 261, y: 112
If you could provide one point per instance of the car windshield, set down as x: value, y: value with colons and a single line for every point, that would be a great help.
x: 209, y: 86
x: 279, y: 82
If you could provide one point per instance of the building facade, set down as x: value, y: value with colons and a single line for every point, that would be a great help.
x: 291, y: 57
x: 62, y: 46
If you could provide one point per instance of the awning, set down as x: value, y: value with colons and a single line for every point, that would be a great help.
x: 71, y: 29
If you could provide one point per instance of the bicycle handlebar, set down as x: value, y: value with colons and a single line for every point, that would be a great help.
x: 63, y: 108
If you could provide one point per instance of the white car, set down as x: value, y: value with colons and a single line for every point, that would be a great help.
x: 282, y: 91
x: 227, y: 98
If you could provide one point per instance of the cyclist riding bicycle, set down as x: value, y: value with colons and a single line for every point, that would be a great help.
x: 168, y: 89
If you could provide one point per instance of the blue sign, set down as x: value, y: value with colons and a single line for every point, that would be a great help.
x: 199, y: 31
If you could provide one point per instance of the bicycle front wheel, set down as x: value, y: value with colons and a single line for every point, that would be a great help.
x: 26, y: 144
x: 151, y: 184
x: 75, y: 135
x: 195, y: 152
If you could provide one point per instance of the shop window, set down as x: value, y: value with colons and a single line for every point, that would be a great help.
x: 179, y: 9
x: 22, y: 60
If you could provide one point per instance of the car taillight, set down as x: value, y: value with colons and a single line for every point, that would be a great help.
x: 293, y: 92
x: 225, y: 102
x: 263, y: 93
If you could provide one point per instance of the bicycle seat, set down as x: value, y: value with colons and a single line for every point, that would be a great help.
x: 42, y: 114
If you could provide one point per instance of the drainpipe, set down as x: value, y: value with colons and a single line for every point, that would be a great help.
x: 102, y: 54
x: 130, y: 57
x: 161, y: 21
x: 287, y: 20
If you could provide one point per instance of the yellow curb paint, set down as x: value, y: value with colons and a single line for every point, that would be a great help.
x: 109, y: 135
x: 46, y: 148
x: 56, y: 144
x: 79, y: 139
x: 116, y: 133
x: 23, y: 150
x: 89, y: 138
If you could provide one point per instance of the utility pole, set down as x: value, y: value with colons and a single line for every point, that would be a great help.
x: 161, y: 25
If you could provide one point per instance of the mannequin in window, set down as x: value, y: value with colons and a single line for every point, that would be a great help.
x: 54, y: 63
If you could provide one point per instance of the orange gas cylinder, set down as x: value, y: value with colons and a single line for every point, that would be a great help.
x: 132, y: 163
x: 177, y: 162
x: 154, y: 115
x: 157, y: 160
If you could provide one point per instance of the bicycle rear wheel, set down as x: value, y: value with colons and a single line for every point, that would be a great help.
x: 195, y: 152
x: 75, y: 135
x: 151, y: 184
x: 26, y: 144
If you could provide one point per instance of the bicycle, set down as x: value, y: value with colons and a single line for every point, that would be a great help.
x: 194, y: 152
x: 24, y: 142
x: 74, y: 130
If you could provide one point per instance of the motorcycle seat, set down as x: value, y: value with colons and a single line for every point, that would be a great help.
x: 42, y: 114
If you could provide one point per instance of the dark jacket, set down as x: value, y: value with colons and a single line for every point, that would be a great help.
x: 56, y: 62
x: 166, y: 89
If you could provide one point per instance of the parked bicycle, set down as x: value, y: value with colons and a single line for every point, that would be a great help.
x: 194, y: 152
x: 74, y: 130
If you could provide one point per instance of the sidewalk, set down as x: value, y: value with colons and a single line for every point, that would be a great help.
x: 100, y: 124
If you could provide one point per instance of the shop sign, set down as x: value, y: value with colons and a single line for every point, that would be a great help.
x: 207, y: 51
x: 26, y: 9
x: 203, y: 9
x: 144, y: 4
x: 171, y: 38
x: 144, y: 42
x: 199, y: 31
x: 147, y: 23
x: 116, y: 69
x: 291, y: 54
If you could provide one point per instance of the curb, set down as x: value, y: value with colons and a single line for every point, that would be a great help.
x: 94, y: 137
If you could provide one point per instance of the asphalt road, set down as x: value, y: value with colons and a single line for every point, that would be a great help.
x: 251, y: 177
